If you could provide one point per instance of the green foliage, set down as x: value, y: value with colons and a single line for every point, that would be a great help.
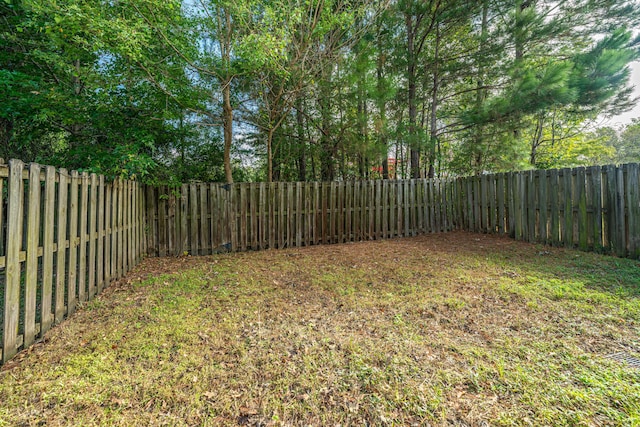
x: 623, y: 145
x: 311, y: 89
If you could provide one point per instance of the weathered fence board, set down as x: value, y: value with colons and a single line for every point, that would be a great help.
x: 62, y: 243
x: 33, y: 234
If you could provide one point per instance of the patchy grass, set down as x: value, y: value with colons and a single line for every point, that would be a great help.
x: 442, y: 329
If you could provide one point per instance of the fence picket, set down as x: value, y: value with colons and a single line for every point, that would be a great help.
x: 33, y: 234
x: 46, y: 299
x: 114, y: 231
x: 15, y: 195
x: 619, y: 213
x: 61, y: 242
x: 581, y: 196
x: 83, y: 207
x: 484, y: 199
x: 161, y: 214
x: 93, y: 219
x: 205, y: 243
x: 410, y: 197
x: 172, y: 221
x: 130, y: 229
x: 493, y: 199
x: 530, y: 208
x: 253, y: 216
x: 384, y: 209
x: 72, y: 277
x: 298, y: 214
x: 543, y: 206
x: 596, y: 200
x: 501, y: 204
x: 633, y: 205
x: 101, y: 235
x: 554, y: 187
x: 121, y: 253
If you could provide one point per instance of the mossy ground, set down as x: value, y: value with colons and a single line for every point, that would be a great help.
x: 449, y: 329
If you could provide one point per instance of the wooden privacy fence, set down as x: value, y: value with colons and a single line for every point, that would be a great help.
x: 595, y: 208
x: 592, y: 209
x: 63, y: 237
x: 201, y: 218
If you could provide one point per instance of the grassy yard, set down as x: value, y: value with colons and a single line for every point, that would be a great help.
x: 449, y: 329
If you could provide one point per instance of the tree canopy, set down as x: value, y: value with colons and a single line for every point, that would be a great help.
x: 219, y: 90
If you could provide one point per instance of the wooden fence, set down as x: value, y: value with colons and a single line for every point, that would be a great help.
x: 200, y: 218
x: 63, y: 238
x: 595, y: 208
x: 592, y: 209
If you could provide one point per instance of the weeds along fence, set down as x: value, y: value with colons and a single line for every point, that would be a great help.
x: 595, y: 208
x: 63, y: 238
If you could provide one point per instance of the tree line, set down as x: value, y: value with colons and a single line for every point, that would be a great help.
x: 302, y: 90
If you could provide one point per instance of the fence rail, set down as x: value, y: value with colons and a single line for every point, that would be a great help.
x: 63, y: 238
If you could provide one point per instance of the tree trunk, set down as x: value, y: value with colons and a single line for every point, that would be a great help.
x: 328, y: 146
x: 537, y: 139
x: 270, y: 155
x: 519, y: 39
x: 227, y: 111
x: 433, y: 131
x: 481, y: 93
x: 411, y: 97
x: 385, y: 168
x: 382, y: 108
x: 227, y: 123
x: 302, y: 160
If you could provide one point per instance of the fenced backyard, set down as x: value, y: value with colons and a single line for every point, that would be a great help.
x: 65, y: 236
